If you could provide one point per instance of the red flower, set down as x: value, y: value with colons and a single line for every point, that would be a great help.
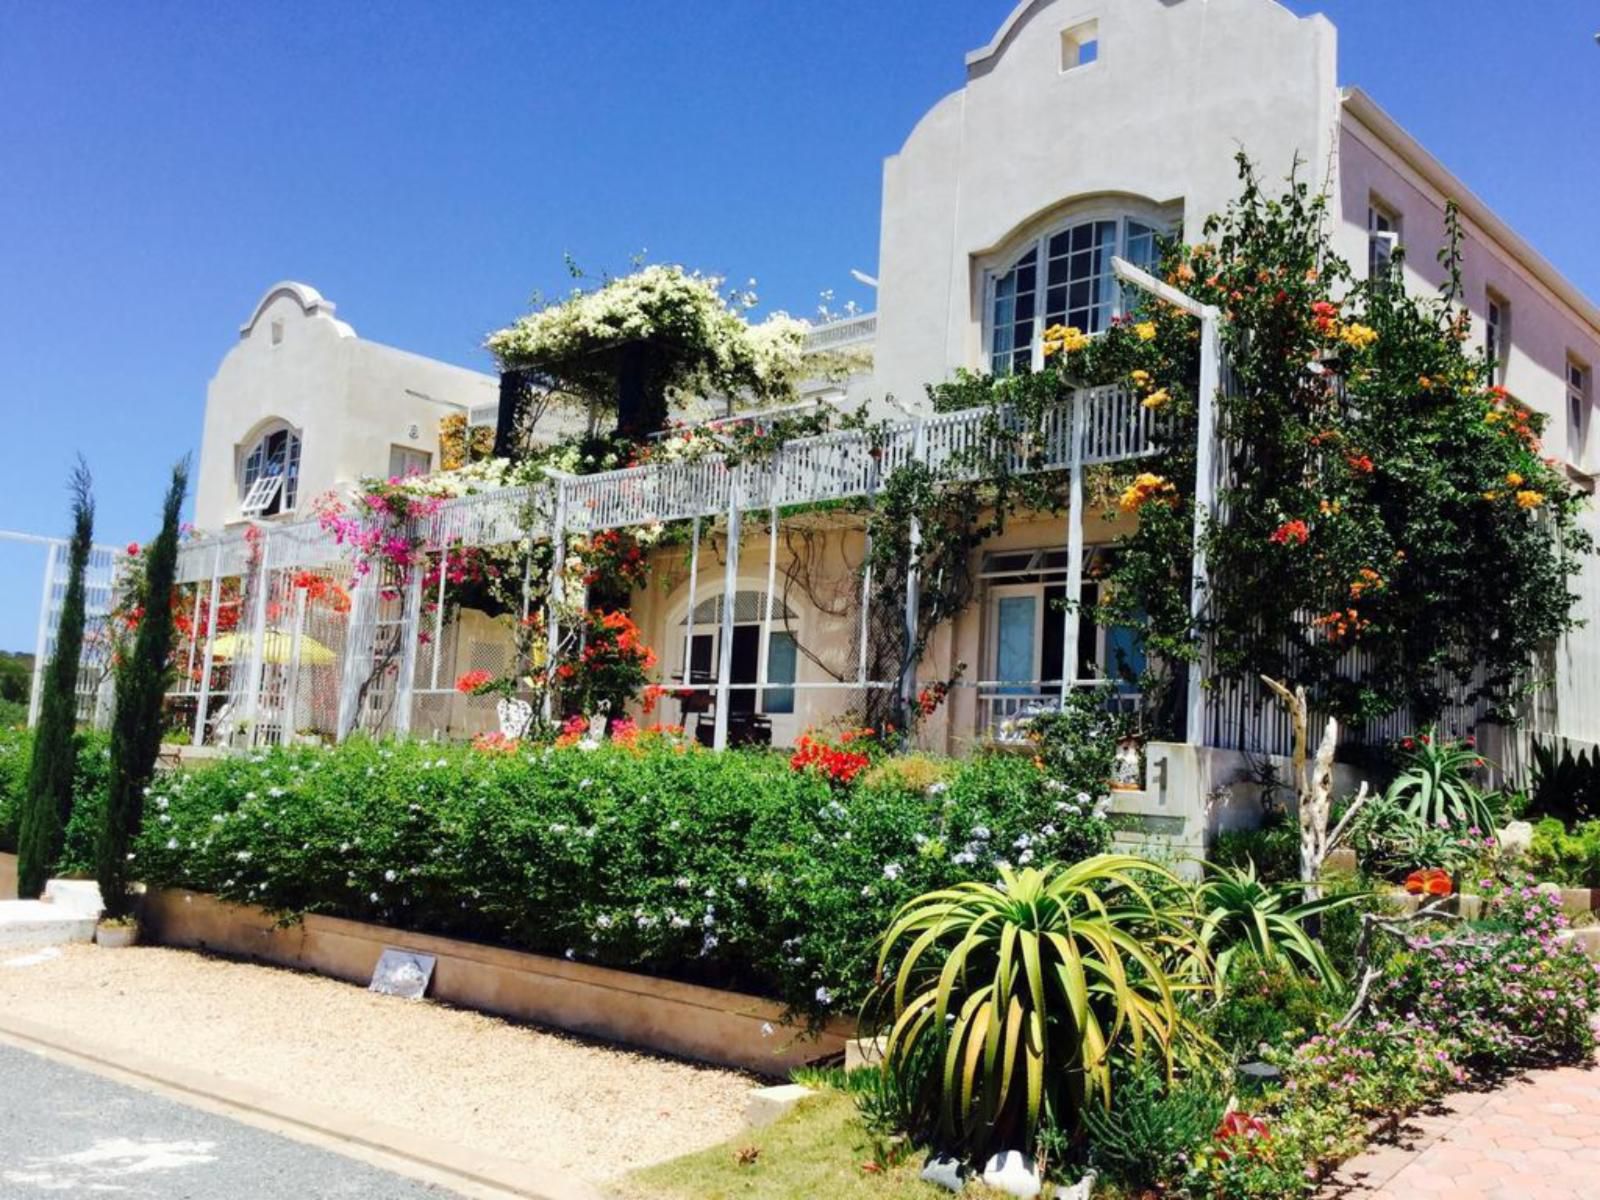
x: 469, y: 683
x: 1242, y: 1133
x: 1360, y: 463
x: 133, y: 549
x: 1430, y: 881
x: 1296, y: 532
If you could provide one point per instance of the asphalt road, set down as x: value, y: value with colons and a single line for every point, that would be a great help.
x: 66, y: 1134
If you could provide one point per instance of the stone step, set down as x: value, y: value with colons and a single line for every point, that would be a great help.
x: 36, y: 923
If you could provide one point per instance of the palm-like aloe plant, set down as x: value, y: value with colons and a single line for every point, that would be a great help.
x: 1009, y: 999
x: 1435, y: 784
x: 1240, y: 912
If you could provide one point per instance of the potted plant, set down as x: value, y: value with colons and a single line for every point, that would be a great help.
x: 116, y: 933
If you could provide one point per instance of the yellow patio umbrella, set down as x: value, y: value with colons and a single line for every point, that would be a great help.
x: 276, y: 647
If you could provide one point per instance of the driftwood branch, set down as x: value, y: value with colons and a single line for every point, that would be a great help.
x: 1376, y: 923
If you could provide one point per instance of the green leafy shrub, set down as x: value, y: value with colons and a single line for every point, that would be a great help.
x: 1390, y: 842
x: 1274, y: 848
x: 1007, y: 1002
x: 1151, y: 1136
x: 1565, y: 785
x: 1336, y: 1085
x: 1266, y: 1003
x: 1507, y: 988
x: 1436, y: 784
x: 89, y: 795
x: 732, y: 870
x: 1570, y: 859
x: 1269, y: 920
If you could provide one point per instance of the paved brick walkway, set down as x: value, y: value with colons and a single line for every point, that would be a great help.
x: 1535, y: 1139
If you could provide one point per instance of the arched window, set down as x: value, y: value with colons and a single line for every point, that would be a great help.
x: 270, y: 481
x: 1062, y: 278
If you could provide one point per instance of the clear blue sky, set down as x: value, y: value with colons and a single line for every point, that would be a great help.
x: 427, y: 165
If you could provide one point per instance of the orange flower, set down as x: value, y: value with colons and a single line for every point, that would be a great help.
x: 1430, y: 881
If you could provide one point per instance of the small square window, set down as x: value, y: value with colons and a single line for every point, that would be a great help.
x: 1080, y: 45
x: 404, y: 460
x: 1383, y: 235
x: 1497, y: 337
x: 1578, y: 401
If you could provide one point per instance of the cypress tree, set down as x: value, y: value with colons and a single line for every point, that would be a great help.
x: 142, y: 679
x: 48, y: 802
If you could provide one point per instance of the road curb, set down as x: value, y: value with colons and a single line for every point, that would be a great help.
x: 331, y: 1127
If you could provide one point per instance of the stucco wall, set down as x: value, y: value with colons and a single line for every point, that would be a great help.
x: 350, y: 399
x: 1544, y: 330
x: 1179, y: 85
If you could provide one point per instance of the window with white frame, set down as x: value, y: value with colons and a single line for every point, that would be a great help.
x: 1578, y: 376
x: 749, y: 616
x: 1062, y: 278
x: 1497, y: 336
x: 1383, y: 235
x: 407, y: 460
x: 1026, y: 643
x: 269, y: 481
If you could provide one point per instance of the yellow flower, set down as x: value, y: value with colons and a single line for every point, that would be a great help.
x: 1141, y: 378
x: 1068, y: 338
x: 1156, y: 399
x: 1144, y: 488
x: 1491, y: 495
x: 1358, y: 337
x: 1514, y: 478
x: 1529, y: 499
x: 1424, y: 383
x: 1146, y: 330
x: 1492, y: 418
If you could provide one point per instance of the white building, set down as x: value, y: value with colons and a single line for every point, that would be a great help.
x: 301, y: 405
x: 1084, y: 129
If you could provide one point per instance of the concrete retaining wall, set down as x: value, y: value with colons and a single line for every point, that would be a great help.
x: 695, y: 1022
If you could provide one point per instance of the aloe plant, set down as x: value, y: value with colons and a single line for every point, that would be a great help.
x: 1009, y: 999
x: 1240, y: 912
x: 1435, y: 784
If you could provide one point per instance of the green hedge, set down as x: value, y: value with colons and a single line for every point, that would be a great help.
x: 89, y: 795
x: 728, y: 869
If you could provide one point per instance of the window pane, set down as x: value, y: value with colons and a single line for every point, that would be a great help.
x: 781, y: 660
x: 1014, y: 645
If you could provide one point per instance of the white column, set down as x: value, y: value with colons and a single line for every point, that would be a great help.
x: 291, y: 687
x: 766, y: 614
x: 1074, y: 618
x: 908, y: 668
x: 730, y: 591
x: 209, y: 659
x: 1205, y: 499
x: 258, y: 639
x: 688, y: 624
x: 410, y: 625
x: 357, y: 650
x: 438, y: 614
x: 41, y: 662
x: 554, y: 594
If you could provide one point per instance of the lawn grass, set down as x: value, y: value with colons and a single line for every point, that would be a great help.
x: 814, y: 1152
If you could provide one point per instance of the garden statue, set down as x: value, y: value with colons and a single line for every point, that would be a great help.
x: 515, y: 716
x: 1127, y: 774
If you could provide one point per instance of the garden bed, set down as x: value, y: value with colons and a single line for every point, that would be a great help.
x: 687, y: 1020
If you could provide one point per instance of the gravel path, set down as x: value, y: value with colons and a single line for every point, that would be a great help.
x: 65, y: 1132
x: 482, y: 1083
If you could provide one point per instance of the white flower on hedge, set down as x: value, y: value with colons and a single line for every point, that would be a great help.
x: 964, y: 858
x: 824, y: 996
x: 162, y: 802
x: 217, y: 818
x: 249, y: 795
x: 242, y: 856
x: 866, y: 889
x: 708, y: 943
x: 939, y: 788
x: 1102, y: 807
x: 1023, y: 841
x: 1025, y: 857
x: 164, y: 818
x: 603, y: 921
x: 389, y: 875
x: 981, y: 833
x: 373, y: 897
x: 891, y: 871
x: 1084, y: 798
x: 1048, y: 831
x: 275, y: 792
x: 741, y: 881
x: 683, y: 883
x: 172, y: 843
